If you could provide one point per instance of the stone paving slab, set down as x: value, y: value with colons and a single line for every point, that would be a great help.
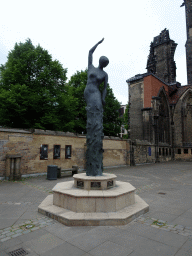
x: 169, y: 233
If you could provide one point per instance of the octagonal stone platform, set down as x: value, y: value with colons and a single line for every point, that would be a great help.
x: 65, y: 195
x: 111, y: 205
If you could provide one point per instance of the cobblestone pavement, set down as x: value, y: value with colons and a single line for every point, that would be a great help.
x: 25, y: 228
x: 163, y: 225
x: 32, y: 225
x: 165, y: 230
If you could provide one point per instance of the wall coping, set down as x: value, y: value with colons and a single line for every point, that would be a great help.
x: 14, y: 130
x: 54, y: 133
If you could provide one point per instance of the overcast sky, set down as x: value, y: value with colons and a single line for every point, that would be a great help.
x: 69, y: 28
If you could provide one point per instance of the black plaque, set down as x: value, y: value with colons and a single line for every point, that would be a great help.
x: 80, y: 184
x: 95, y: 184
x: 56, y: 152
x: 110, y: 183
x: 68, y: 151
x: 44, y: 152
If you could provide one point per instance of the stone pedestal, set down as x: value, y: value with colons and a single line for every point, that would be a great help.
x: 93, y: 200
x: 103, y: 182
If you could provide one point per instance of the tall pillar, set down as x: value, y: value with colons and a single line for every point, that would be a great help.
x: 188, y: 45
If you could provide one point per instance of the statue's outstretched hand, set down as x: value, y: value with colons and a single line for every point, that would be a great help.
x: 100, y: 41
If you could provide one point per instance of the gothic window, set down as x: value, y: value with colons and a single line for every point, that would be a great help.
x: 147, y: 124
x: 164, y: 127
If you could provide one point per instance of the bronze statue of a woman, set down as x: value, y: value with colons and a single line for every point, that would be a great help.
x: 95, y: 101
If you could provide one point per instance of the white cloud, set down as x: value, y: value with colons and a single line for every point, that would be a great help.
x: 68, y: 29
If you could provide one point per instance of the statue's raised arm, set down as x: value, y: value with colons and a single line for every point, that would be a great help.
x: 91, y: 51
x: 183, y: 4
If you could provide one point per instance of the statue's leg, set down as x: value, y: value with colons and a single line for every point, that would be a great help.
x: 94, y: 154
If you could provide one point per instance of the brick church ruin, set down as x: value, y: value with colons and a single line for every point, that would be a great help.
x: 160, y: 113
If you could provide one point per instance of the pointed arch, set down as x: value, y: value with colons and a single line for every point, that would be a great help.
x: 186, y: 117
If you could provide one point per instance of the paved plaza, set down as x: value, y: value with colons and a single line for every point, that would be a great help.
x: 165, y: 230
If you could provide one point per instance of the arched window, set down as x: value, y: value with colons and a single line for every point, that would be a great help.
x: 164, y: 122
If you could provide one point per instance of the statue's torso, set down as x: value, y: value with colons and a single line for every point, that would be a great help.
x: 92, y: 93
x: 95, y: 76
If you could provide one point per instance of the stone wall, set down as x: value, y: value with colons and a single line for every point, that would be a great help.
x: 15, y: 142
x: 183, y: 154
x: 116, y: 152
x: 144, y: 152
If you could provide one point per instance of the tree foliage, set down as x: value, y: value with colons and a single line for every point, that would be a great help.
x: 111, y: 120
x: 34, y: 94
x: 77, y: 83
x: 32, y: 90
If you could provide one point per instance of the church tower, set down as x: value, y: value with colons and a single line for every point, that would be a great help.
x: 188, y: 11
x: 161, y: 58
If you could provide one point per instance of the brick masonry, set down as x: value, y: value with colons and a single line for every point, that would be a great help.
x: 27, y: 144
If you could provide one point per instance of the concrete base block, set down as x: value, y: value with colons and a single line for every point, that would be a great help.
x: 66, y: 195
x: 71, y: 218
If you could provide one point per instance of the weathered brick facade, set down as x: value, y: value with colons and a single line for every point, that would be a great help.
x: 160, y: 108
x: 25, y: 145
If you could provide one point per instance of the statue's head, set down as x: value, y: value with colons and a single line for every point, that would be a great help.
x: 103, y: 61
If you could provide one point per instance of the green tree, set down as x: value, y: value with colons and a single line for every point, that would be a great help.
x: 32, y: 90
x: 77, y: 83
x: 111, y: 120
